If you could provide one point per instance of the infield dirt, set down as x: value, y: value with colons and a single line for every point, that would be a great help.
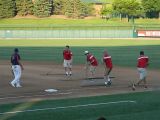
x: 38, y: 76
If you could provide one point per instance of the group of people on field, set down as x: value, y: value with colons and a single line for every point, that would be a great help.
x: 91, y: 64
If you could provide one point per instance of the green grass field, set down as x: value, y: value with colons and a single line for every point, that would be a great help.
x: 144, y: 106
x: 70, y: 22
x: 124, y: 52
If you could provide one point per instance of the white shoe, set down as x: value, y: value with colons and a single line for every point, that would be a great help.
x: 106, y: 83
x: 70, y: 73
x: 67, y: 74
x: 12, y: 84
x: 18, y: 86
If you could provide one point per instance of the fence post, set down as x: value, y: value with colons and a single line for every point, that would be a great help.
x: 134, y: 32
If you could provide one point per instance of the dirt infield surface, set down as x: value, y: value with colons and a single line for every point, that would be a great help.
x: 38, y: 76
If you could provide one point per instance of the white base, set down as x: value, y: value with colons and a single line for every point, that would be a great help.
x: 50, y: 90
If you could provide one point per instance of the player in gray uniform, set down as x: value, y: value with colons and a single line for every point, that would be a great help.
x: 17, y: 68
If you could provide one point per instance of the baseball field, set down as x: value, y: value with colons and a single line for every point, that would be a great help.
x: 78, y: 98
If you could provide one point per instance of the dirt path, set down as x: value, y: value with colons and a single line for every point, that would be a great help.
x: 39, y: 76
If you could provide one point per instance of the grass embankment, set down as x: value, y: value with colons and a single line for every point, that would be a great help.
x: 94, y: 23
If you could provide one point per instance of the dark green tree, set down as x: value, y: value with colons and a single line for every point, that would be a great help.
x: 43, y: 8
x: 7, y: 8
x: 24, y: 7
x: 73, y: 8
x: 59, y: 7
x: 151, y: 8
x: 86, y: 9
x: 77, y: 9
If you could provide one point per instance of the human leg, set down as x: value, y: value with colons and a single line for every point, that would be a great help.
x: 65, y: 67
x: 92, y: 70
x: 15, y: 71
x: 18, y: 82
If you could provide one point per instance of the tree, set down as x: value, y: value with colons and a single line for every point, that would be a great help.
x: 107, y: 11
x: 43, y: 8
x: 59, y: 7
x: 133, y: 9
x: 151, y: 8
x: 7, y: 8
x: 118, y: 7
x: 77, y: 9
x: 73, y: 8
x: 129, y: 8
x: 24, y: 7
x: 86, y: 9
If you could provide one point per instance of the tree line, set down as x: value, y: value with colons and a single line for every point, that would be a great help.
x: 79, y: 9
x: 45, y: 8
x: 133, y: 9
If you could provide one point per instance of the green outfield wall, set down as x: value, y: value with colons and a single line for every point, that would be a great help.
x: 67, y: 34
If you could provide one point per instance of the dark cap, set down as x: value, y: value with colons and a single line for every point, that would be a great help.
x: 141, y: 52
x: 16, y: 50
x: 67, y: 46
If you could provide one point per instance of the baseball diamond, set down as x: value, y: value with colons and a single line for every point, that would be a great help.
x: 79, y: 59
x: 44, y: 79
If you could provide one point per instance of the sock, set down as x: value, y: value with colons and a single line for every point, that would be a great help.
x: 109, y: 78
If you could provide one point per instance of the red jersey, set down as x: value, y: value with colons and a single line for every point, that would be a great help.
x: 108, y: 61
x: 92, y: 60
x: 142, y: 61
x: 67, y: 54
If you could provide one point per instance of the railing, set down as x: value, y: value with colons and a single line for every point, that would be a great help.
x: 64, y: 31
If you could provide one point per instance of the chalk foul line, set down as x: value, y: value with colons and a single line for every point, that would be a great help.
x: 66, y: 107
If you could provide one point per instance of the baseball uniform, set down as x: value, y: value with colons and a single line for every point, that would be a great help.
x: 141, y: 65
x: 67, y: 55
x: 108, y: 61
x: 16, y: 68
x: 108, y: 67
x: 93, y: 62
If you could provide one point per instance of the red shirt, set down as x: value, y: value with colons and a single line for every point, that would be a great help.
x: 108, y: 61
x: 142, y: 61
x: 92, y: 60
x: 67, y: 54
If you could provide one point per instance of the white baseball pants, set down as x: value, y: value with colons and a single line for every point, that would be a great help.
x: 17, y: 75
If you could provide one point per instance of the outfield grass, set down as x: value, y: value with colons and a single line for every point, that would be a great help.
x: 123, y: 52
x: 77, y: 42
x: 147, y: 107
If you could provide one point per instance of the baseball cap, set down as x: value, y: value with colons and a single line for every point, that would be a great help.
x: 16, y: 50
x: 86, y: 52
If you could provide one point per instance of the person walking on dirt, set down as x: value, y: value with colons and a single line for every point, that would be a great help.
x: 143, y: 62
x: 107, y: 60
x: 17, y: 68
x: 68, y: 59
x: 91, y: 64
